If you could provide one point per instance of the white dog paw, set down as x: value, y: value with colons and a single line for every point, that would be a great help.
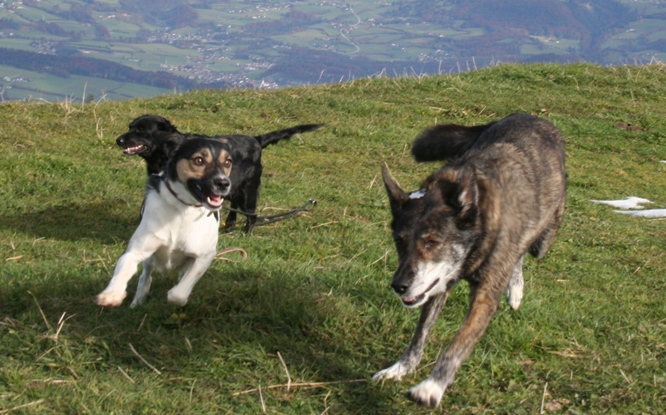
x: 429, y: 393
x: 176, y: 298
x: 395, y: 372
x: 111, y: 298
x: 514, y: 296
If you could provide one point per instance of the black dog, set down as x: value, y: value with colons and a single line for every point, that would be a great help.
x: 155, y: 139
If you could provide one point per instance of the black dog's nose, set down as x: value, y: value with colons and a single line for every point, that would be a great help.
x: 120, y: 141
x: 399, y: 288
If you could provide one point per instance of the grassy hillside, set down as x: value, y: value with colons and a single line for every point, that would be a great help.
x: 314, y: 292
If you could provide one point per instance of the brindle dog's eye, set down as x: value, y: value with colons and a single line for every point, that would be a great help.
x: 198, y: 161
x: 430, y: 243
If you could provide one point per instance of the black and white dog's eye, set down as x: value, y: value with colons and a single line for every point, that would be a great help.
x: 198, y: 161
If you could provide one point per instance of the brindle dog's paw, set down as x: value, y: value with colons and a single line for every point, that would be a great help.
x: 428, y: 393
x: 395, y: 372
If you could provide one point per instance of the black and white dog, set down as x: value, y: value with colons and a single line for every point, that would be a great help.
x: 179, y: 223
x: 154, y: 138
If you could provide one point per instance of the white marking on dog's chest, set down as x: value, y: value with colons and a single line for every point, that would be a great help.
x: 183, y: 230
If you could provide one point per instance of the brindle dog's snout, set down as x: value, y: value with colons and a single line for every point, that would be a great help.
x: 399, y: 287
x: 402, y: 279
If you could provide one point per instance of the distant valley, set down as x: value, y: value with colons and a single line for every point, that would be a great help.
x: 89, y: 50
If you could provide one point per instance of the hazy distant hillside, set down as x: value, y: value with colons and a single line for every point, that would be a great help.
x: 160, y: 46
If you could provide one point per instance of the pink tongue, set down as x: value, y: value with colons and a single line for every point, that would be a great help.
x: 215, y: 200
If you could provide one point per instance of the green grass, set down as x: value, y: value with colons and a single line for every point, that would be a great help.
x: 50, y: 88
x: 315, y: 289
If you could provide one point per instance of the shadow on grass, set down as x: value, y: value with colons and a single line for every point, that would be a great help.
x: 76, y: 222
x: 227, y: 336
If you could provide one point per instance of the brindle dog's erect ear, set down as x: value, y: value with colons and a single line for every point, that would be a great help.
x: 463, y: 196
x: 397, y: 196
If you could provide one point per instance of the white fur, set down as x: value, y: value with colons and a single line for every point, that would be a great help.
x: 427, y: 273
x: 419, y: 194
x: 514, y: 291
x: 514, y: 295
x: 171, y: 235
x: 429, y: 392
x: 395, y: 372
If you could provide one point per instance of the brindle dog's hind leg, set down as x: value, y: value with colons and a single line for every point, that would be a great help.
x: 514, y: 291
x: 545, y: 240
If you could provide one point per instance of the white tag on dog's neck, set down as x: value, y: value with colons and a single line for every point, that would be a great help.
x: 418, y: 194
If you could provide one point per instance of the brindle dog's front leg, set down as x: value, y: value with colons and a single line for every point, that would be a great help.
x: 412, y: 356
x: 484, y: 304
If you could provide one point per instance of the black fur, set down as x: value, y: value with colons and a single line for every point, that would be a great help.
x: 430, y: 147
x: 155, y: 139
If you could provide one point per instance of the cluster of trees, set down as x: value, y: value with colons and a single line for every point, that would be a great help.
x: 9, y: 24
x: 77, y: 13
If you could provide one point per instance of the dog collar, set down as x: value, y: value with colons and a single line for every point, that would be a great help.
x: 173, y: 192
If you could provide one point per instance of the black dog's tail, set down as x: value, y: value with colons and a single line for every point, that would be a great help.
x: 275, y: 136
x: 446, y: 141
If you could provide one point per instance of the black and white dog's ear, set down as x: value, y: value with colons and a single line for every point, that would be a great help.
x: 397, y: 196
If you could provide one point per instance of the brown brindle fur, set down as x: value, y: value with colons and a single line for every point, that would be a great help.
x: 501, y: 196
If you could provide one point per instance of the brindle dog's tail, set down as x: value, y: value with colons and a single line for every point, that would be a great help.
x: 446, y: 141
x: 275, y: 136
